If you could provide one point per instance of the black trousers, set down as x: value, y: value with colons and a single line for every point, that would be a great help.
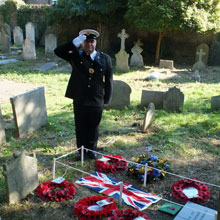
x: 87, y: 119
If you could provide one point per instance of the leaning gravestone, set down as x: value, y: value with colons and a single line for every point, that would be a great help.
x: 50, y: 43
x: 29, y: 111
x: 21, y: 177
x: 149, y: 116
x: 29, y: 51
x: 2, y: 129
x: 6, y: 38
x: 155, y: 97
x: 30, y: 31
x: 122, y: 56
x: 173, y: 100
x: 18, y: 35
x: 215, y: 102
x: 121, y: 95
x: 166, y: 64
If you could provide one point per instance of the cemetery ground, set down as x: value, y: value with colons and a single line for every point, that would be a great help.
x: 190, y: 140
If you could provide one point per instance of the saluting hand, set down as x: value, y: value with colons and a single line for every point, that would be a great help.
x: 79, y: 40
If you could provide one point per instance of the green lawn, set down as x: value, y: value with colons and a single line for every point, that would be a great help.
x: 189, y: 140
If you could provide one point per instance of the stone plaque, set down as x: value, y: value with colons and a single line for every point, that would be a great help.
x: 166, y: 64
x: 173, y: 100
x: 29, y: 111
x: 21, y: 177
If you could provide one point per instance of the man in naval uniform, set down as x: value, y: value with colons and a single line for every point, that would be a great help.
x: 90, y: 86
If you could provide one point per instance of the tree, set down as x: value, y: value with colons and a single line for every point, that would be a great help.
x: 168, y: 15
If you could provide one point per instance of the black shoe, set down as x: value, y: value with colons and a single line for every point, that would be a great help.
x: 91, y: 155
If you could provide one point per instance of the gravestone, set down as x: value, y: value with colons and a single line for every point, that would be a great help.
x: 155, y: 97
x: 2, y: 62
x: 136, y: 58
x: 173, y: 100
x: 154, y: 76
x: 202, y: 55
x: 5, y: 38
x: 122, y: 56
x: 18, y: 35
x: 50, y: 43
x: 30, y: 31
x: 149, y: 116
x: 21, y: 177
x: 2, y: 129
x: 121, y: 95
x: 46, y: 66
x: 29, y: 51
x: 166, y: 64
x: 29, y: 111
x: 215, y: 102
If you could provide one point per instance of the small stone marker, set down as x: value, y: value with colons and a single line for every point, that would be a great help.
x: 136, y: 58
x: 46, y: 66
x: 155, y: 97
x: 2, y: 62
x: 149, y: 116
x: 122, y: 56
x: 215, y: 102
x: 173, y: 100
x: 2, y: 129
x: 29, y: 51
x: 29, y: 111
x: 30, y: 31
x: 18, y: 35
x: 21, y: 177
x: 50, y: 43
x: 166, y: 64
x: 121, y: 95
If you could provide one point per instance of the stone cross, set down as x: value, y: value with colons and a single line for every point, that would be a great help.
x: 123, y: 37
x: 200, y: 54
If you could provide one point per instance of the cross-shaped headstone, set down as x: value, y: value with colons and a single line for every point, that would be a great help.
x: 200, y: 53
x: 123, y: 36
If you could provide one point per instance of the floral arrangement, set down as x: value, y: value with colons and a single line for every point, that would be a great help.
x: 88, y: 208
x: 111, y: 164
x: 153, y: 162
x: 51, y: 191
x: 202, y: 189
x: 127, y: 214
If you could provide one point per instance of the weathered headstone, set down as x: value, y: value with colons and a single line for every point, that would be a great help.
x: 21, y: 177
x: 18, y: 35
x: 202, y: 53
x: 2, y: 129
x: 29, y: 111
x: 166, y: 64
x: 121, y: 95
x: 5, y: 38
x: 215, y: 102
x: 136, y: 58
x: 155, y: 97
x: 2, y: 62
x: 149, y: 116
x: 46, y: 66
x: 29, y: 51
x: 173, y: 100
x: 30, y: 31
x: 50, y: 43
x: 122, y: 56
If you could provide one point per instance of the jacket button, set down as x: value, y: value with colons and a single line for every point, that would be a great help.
x: 89, y: 86
x: 70, y: 51
x: 100, y: 69
x: 81, y: 62
x: 90, y: 78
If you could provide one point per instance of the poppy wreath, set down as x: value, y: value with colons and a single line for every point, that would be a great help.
x: 203, y: 190
x: 113, y: 165
x: 82, y: 211
x: 127, y: 214
x: 51, y: 191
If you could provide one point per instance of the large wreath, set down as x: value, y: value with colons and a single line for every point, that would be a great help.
x: 51, y: 191
x: 111, y: 163
x: 153, y: 162
x: 87, y: 208
x: 202, y: 195
x: 127, y: 214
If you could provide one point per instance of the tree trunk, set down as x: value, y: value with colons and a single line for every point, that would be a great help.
x: 157, y: 58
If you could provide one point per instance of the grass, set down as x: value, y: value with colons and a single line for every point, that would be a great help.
x: 189, y: 140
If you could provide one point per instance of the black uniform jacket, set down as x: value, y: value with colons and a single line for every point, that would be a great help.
x: 91, y: 82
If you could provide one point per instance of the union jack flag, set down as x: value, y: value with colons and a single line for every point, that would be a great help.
x: 131, y: 195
